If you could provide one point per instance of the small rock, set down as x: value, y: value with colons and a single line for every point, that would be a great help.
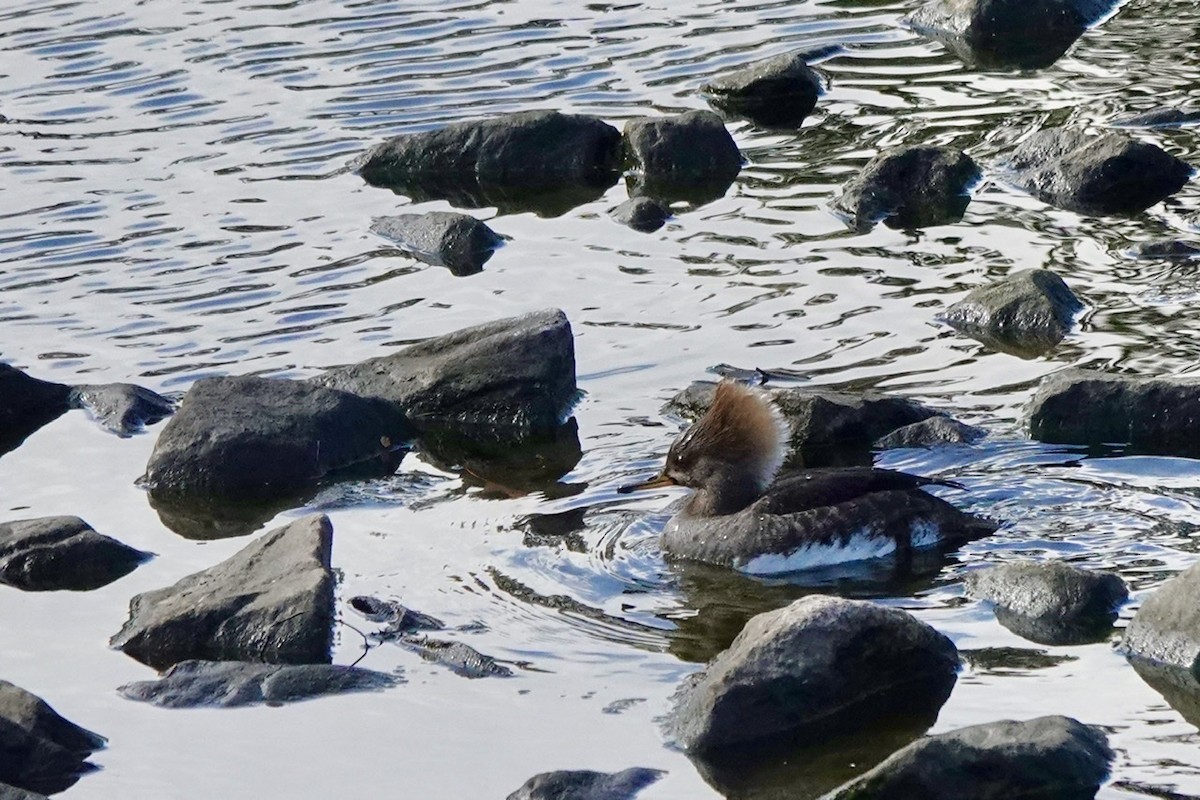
x: 1025, y: 314
x: 778, y: 91
x: 40, y: 751
x: 1048, y: 758
x: 13, y: 793
x: 1108, y: 173
x: 26, y: 404
x: 122, y: 408
x: 797, y: 674
x: 688, y: 157
x: 583, y: 784
x: 442, y: 238
x: 272, y: 602
x: 192, y: 684
x: 1166, y: 629
x: 54, y: 553
x: 1050, y: 603
x: 930, y: 433
x: 397, y: 619
x: 910, y: 187
x: 462, y: 659
x: 1170, y: 248
x: 1160, y: 118
x: 643, y: 214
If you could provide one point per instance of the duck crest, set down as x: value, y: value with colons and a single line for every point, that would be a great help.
x: 742, y: 426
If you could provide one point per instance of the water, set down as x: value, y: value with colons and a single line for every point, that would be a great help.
x: 174, y: 205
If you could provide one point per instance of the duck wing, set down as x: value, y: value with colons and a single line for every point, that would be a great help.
x: 820, y: 488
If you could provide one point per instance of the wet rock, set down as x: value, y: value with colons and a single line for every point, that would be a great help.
x: 584, y: 784
x: 910, y: 187
x: 505, y: 379
x: 1108, y: 173
x: 122, y: 408
x: 13, y: 793
x: 828, y: 428
x: 40, y: 751
x: 441, y: 238
x: 462, y: 659
x: 1170, y: 248
x: 689, y: 157
x: 533, y: 463
x: 538, y: 161
x: 1009, y: 660
x: 1160, y: 118
x: 256, y: 439
x: 643, y: 214
x: 1024, y: 314
x: 1050, y: 603
x: 930, y: 433
x: 1177, y: 685
x: 818, y: 666
x: 1048, y: 758
x: 779, y: 91
x: 272, y: 602
x: 1159, y: 416
x: 26, y: 404
x: 54, y: 553
x: 1013, y: 34
x: 1166, y: 629
x: 192, y: 684
x: 397, y: 620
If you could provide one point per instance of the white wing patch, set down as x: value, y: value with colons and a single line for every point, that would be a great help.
x: 862, y: 546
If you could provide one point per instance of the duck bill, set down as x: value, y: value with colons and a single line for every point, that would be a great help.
x: 654, y: 483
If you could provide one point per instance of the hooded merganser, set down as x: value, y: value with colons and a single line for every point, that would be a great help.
x: 740, y: 515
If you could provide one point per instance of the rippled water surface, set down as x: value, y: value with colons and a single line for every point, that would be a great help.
x: 175, y: 204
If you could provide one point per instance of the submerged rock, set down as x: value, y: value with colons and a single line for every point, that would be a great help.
x: 1048, y: 758
x: 541, y: 161
x: 1169, y: 248
x: 272, y: 602
x: 1160, y: 118
x: 584, y: 784
x: 192, y: 684
x: 26, y: 404
x: 1166, y: 628
x: 688, y: 157
x: 1050, y: 603
x: 910, y: 187
x: 462, y: 659
x: 930, y: 433
x: 818, y: 666
x: 40, y: 751
x: 53, y: 553
x: 442, y: 238
x: 1108, y: 173
x: 122, y: 408
x: 777, y: 91
x: 1025, y: 314
x: 643, y: 214
x: 1159, y: 416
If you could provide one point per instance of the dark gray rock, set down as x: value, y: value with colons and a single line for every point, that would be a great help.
x: 513, y: 466
x: 35, y: 715
x: 513, y: 377
x: 1166, y: 629
x: 1008, y: 34
x: 930, y: 433
x: 1168, y: 249
x: 1025, y: 314
x: 910, y: 187
x: 27, y: 404
x: 584, y: 784
x: 689, y: 157
x: 193, y: 684
x: 800, y: 673
x: 643, y: 214
x: 272, y: 602
x: 779, y: 91
x: 397, y: 620
x: 1158, y: 416
x: 1050, y: 603
x: 1108, y: 173
x: 1048, y: 758
x: 1177, y: 685
x: 462, y: 659
x: 40, y: 751
x: 247, y: 438
x: 53, y: 553
x: 13, y: 793
x: 442, y: 238
x: 122, y: 408
x: 1160, y: 118
x: 539, y: 161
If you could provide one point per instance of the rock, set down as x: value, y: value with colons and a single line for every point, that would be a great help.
x: 1166, y: 629
x: 1169, y: 248
x: 534, y: 160
x: 1160, y: 118
x: 272, y: 602
x: 397, y: 619
x: 643, y: 214
x: 441, y: 238
x: 462, y: 659
x: 1025, y: 314
x: 818, y: 666
x: 1048, y: 758
x: 584, y: 784
x: 52, y: 553
x: 1108, y: 173
x: 828, y: 428
x: 511, y: 378
x: 910, y: 187
x: 40, y: 751
x: 191, y: 684
x: 26, y: 404
x: 122, y: 408
x: 930, y: 433
x: 247, y: 438
x: 1050, y: 603
x: 1178, y: 686
x: 1159, y: 416
x: 1013, y: 34
x: 779, y: 91
x: 13, y: 793
x: 35, y: 715
x: 689, y: 157
x: 514, y: 467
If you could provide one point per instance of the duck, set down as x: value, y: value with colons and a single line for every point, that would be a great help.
x: 742, y: 513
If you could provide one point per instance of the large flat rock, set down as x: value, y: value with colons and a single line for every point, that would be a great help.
x: 51, y: 553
